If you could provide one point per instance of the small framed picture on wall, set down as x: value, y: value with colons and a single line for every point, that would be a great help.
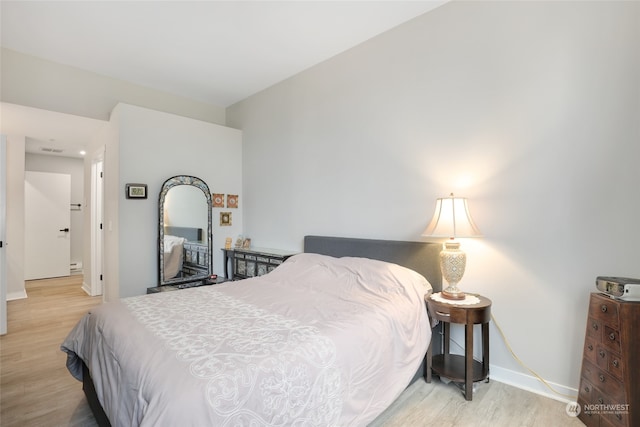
x: 225, y: 218
x: 232, y: 201
x: 218, y: 200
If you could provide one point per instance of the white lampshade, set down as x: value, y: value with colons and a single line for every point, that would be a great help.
x: 452, y: 219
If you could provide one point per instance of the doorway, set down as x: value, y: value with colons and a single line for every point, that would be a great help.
x: 47, y: 225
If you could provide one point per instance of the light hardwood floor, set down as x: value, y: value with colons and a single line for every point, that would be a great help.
x: 37, y: 389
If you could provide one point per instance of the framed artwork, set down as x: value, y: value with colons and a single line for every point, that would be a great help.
x: 232, y: 201
x: 225, y: 218
x: 217, y: 200
x: 246, y: 244
x: 136, y: 191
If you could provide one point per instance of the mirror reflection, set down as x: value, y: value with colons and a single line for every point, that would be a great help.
x: 184, y: 231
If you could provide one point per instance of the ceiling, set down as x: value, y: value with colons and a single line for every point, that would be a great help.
x: 49, y: 131
x: 217, y: 52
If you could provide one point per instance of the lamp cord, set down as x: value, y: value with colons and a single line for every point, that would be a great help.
x: 517, y: 359
x: 534, y: 373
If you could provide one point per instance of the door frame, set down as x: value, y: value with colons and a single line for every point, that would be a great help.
x: 97, y: 224
x: 3, y: 234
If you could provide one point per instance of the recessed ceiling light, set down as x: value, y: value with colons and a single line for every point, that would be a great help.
x: 82, y: 152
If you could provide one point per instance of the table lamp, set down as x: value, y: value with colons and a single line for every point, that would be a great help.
x: 452, y: 219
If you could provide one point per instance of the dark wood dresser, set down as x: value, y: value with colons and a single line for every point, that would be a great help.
x: 609, y: 392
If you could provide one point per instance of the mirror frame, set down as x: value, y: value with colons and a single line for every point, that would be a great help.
x: 169, y: 184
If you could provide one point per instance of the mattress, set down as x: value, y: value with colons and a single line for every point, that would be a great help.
x: 318, y: 341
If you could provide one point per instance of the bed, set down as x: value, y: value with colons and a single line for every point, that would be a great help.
x: 331, y: 337
x: 174, y: 239
x: 173, y: 255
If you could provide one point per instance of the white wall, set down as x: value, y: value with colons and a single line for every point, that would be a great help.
x: 529, y: 109
x: 36, y: 82
x: 149, y: 147
x: 15, y: 217
x: 75, y: 168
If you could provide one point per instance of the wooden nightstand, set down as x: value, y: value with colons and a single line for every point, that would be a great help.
x: 453, y: 366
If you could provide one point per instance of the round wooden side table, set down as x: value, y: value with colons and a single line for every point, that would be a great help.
x: 460, y: 368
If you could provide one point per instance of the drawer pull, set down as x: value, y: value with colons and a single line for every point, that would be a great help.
x: 603, y: 308
x: 587, y: 389
x: 590, y: 347
x: 616, y: 363
x: 612, y: 336
x: 595, y: 326
x: 601, y: 401
x: 619, y: 416
x: 439, y: 313
x: 602, y: 353
x: 601, y: 378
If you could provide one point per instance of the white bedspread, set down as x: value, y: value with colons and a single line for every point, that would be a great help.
x: 319, y: 341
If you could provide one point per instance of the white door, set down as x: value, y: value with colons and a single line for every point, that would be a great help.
x: 47, y: 208
x: 3, y: 234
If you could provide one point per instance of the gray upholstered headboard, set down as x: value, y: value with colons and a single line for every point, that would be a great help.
x: 190, y: 233
x: 422, y: 257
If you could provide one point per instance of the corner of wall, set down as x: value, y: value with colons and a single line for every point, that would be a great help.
x: 15, y: 216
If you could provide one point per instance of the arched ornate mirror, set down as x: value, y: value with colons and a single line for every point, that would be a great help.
x: 184, y: 239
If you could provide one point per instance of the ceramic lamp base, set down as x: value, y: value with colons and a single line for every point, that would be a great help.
x: 453, y: 295
x: 452, y: 262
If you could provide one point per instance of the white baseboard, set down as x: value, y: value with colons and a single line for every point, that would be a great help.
x: 532, y: 384
x: 16, y: 295
x: 86, y: 288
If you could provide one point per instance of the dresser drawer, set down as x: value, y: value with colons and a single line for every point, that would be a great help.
x: 603, y: 381
x: 609, y: 361
x: 586, y: 390
x: 611, y: 411
x: 604, y: 309
x: 615, y: 366
x: 611, y: 338
x: 615, y: 419
x: 590, y: 345
x: 594, y: 328
x: 588, y: 418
